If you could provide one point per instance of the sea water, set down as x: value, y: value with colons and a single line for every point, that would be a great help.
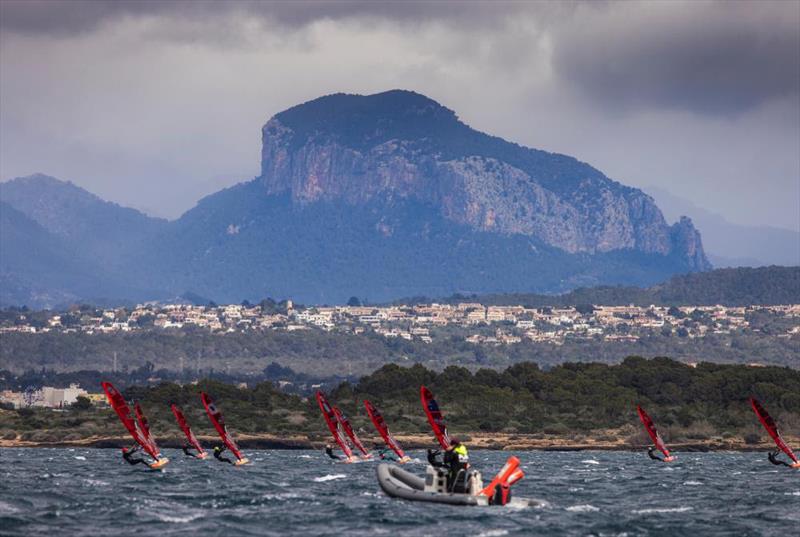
x: 284, y: 493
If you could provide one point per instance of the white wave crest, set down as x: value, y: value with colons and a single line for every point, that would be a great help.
x: 493, y: 533
x: 7, y: 508
x: 662, y: 510
x: 583, y: 508
x: 329, y: 477
x: 172, y: 519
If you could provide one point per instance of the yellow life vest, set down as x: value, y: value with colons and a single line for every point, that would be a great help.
x: 461, y: 451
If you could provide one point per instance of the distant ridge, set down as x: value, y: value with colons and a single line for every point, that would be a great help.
x: 740, y: 286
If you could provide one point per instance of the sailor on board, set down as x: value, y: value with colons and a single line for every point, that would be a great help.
x: 187, y: 450
x: 651, y: 452
x: 383, y: 453
x: 773, y: 458
x: 218, y: 454
x: 127, y: 454
x: 331, y: 454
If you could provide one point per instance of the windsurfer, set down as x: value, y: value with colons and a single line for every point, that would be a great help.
x: 218, y: 454
x: 188, y: 451
x: 651, y: 452
x: 331, y: 454
x: 383, y: 453
x: 127, y: 454
x: 773, y: 458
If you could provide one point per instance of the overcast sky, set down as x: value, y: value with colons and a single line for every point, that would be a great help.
x: 155, y: 104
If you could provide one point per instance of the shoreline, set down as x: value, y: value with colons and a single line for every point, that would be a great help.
x: 493, y: 442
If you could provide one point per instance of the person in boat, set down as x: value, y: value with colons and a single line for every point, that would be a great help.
x: 329, y: 452
x: 189, y: 451
x: 773, y: 458
x: 127, y: 454
x: 218, y: 454
x: 455, y: 459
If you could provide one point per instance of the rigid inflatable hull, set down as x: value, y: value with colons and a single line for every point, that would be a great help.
x: 398, y: 483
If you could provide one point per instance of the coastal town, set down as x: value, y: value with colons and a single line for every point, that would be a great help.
x: 474, y: 322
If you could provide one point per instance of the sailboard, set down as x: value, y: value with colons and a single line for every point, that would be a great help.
x: 187, y: 431
x: 133, y: 424
x: 772, y: 428
x: 333, y: 424
x: 650, y: 427
x: 435, y: 417
x: 383, y: 430
x: 219, y: 424
x: 348, y: 430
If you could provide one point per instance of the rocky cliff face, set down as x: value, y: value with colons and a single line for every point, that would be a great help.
x: 399, y: 145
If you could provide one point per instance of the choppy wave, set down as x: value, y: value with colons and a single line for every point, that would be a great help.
x: 302, y: 493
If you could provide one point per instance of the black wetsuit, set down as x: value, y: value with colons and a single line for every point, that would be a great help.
x: 433, y: 460
x: 383, y: 454
x: 218, y: 455
x: 456, y: 470
x: 652, y: 455
x: 130, y: 459
x: 331, y: 454
x: 187, y: 450
x: 773, y: 458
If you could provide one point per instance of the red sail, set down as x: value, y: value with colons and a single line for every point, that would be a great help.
x: 219, y: 424
x: 332, y: 422
x: 772, y: 428
x: 144, y: 427
x: 652, y: 431
x: 345, y: 423
x: 184, y: 425
x: 383, y: 429
x: 435, y: 417
x: 119, y: 405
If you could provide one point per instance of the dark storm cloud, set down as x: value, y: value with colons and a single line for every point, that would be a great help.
x: 717, y: 58
x: 706, y: 57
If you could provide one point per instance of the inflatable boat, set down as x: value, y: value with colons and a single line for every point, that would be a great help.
x: 398, y: 483
x: 466, y: 487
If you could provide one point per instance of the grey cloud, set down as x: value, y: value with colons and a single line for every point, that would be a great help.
x: 717, y: 58
x: 61, y: 17
x: 710, y: 57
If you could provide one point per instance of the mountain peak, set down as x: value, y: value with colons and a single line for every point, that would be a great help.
x: 47, y: 185
x: 364, y: 121
x: 400, y: 146
x: 66, y: 209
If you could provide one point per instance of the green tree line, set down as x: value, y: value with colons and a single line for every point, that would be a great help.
x: 573, y: 398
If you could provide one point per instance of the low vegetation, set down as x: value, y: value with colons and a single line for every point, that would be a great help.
x: 573, y: 401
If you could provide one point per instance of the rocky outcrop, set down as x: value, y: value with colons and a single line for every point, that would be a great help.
x: 403, y: 146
